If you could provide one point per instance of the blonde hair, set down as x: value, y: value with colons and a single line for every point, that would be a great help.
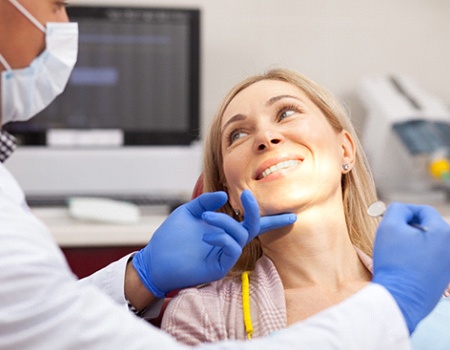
x: 358, y: 189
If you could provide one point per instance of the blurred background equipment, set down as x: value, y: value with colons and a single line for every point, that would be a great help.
x: 407, y: 140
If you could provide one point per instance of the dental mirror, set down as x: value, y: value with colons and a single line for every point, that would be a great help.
x: 376, y: 209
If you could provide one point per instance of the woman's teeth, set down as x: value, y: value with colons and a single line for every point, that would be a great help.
x: 282, y: 165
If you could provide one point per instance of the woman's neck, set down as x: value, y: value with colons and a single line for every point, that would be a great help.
x: 316, y: 251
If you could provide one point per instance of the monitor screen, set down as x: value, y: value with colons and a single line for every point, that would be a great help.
x: 137, y: 76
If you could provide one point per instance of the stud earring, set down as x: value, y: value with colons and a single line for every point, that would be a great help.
x: 345, y: 166
x: 237, y: 212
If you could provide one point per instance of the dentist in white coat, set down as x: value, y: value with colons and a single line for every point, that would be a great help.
x: 43, y: 306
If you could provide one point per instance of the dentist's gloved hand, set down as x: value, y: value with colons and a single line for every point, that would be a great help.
x: 412, y: 264
x: 196, y: 245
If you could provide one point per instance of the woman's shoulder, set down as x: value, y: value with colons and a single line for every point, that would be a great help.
x: 211, y: 291
x: 205, y: 313
x: 213, y: 312
x: 264, y: 274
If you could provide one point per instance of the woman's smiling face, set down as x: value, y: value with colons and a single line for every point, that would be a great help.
x: 278, y: 144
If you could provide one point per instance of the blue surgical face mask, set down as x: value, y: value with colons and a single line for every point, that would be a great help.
x: 27, y: 91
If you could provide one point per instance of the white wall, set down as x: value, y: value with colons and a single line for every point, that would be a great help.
x: 335, y: 42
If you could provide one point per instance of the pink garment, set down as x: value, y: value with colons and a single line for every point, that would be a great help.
x: 214, y: 312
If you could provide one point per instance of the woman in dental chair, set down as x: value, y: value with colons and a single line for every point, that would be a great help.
x: 290, y: 143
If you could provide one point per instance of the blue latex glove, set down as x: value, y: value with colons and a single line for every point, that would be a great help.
x: 412, y: 264
x: 195, y: 245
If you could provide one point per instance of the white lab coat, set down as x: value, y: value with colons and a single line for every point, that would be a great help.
x: 43, y: 306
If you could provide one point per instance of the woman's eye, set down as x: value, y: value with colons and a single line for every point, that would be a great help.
x: 286, y: 113
x: 236, y: 135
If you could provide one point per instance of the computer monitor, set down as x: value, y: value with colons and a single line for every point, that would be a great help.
x: 137, y: 76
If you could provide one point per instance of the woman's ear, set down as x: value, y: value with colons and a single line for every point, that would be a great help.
x: 225, y: 188
x: 348, y: 150
x: 231, y: 200
x: 234, y: 203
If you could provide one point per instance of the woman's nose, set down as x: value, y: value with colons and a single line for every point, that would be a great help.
x: 268, y: 139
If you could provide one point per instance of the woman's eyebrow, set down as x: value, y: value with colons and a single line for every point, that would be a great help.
x: 271, y: 101
x: 274, y: 99
x: 233, y: 119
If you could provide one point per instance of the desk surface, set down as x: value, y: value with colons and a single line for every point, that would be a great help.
x: 71, y: 232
